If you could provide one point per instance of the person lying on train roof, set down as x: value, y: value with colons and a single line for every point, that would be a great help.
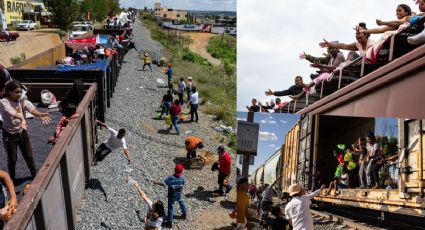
x: 115, y: 141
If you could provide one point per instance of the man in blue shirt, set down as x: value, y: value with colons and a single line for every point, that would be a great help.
x: 175, y: 184
x: 169, y: 74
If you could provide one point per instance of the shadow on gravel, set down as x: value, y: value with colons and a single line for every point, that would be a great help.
x: 141, y: 219
x: 95, y: 184
x: 227, y: 204
x: 201, y: 194
x: 226, y: 228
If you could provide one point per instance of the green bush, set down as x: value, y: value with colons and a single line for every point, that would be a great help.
x: 223, y: 48
x: 18, y: 59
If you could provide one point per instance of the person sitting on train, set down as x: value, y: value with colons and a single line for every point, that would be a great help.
x: 295, y: 89
x: 254, y: 107
x: 341, y: 182
x: 418, y: 38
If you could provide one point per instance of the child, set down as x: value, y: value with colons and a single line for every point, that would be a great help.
x: 151, y: 223
x: 147, y: 62
x: 68, y: 114
x: 309, y: 88
x: 341, y: 182
x: 279, y: 222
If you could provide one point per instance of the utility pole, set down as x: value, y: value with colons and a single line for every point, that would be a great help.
x: 247, y: 141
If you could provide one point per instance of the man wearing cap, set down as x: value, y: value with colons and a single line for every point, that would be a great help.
x: 175, y: 184
x: 192, y: 143
x: 297, y: 211
x: 146, y: 61
x: 224, y: 170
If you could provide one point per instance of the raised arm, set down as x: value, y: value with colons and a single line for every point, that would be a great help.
x: 297, y: 97
x: 102, y: 124
x: 141, y: 193
x: 315, y: 193
x: 43, y: 116
x: 156, y: 182
x: 343, y: 46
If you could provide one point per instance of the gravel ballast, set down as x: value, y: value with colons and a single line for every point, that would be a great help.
x: 109, y: 202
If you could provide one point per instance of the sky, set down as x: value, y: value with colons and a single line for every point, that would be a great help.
x: 273, y: 128
x: 271, y: 35
x: 204, y: 5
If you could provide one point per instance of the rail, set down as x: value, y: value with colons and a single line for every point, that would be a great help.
x: 56, y: 191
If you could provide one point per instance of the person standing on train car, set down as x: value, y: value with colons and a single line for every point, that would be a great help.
x: 12, y: 109
x: 297, y: 211
x: 374, y: 156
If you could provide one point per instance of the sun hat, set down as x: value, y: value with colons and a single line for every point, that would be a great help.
x: 178, y: 170
x: 294, y: 189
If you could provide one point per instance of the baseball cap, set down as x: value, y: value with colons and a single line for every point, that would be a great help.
x: 178, y: 170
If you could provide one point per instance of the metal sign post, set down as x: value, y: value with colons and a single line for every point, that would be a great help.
x: 247, y: 142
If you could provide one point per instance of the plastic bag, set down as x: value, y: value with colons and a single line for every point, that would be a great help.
x: 348, y: 157
x: 338, y: 171
x: 168, y: 120
x: 352, y: 165
x: 47, y: 97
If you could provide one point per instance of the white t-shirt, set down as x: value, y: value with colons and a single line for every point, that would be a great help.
x: 345, y: 178
x: 113, y: 142
x: 373, y: 150
x: 194, y: 98
x: 298, y: 211
x: 149, y: 211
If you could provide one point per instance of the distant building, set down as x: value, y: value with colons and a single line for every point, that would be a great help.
x: 164, y: 12
x: 17, y: 10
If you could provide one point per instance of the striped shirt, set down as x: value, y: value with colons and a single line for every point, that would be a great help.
x: 175, y: 185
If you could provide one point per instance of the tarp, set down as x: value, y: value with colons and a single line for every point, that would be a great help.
x: 80, y: 43
x: 101, y: 65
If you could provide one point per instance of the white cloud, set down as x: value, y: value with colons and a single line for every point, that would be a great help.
x: 263, y: 121
x: 269, y: 43
x: 241, y: 119
x: 272, y: 122
x: 283, y: 121
x: 271, y: 145
x: 266, y: 136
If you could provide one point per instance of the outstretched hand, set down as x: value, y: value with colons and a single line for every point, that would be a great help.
x: 378, y: 22
x: 324, y: 43
x: 269, y: 92
x: 45, y: 118
x: 303, y: 55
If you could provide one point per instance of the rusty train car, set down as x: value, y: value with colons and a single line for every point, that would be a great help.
x: 308, y: 150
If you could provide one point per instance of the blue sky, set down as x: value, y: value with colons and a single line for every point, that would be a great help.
x: 273, y: 128
x: 205, y: 5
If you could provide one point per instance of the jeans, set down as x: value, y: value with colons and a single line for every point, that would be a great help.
x: 372, y: 172
x: 221, y: 178
x: 11, y: 143
x: 194, y: 111
x: 165, y: 108
x: 101, y: 152
x: 181, y: 98
x: 171, y: 201
x: 362, y: 174
x: 174, y: 119
x: 191, y: 154
x: 147, y: 64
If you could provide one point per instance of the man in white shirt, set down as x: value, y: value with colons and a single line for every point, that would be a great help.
x: 194, y: 100
x: 297, y: 211
x: 181, y: 89
x: 114, y: 142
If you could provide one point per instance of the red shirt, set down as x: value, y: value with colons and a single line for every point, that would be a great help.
x: 225, y: 164
x: 175, y: 110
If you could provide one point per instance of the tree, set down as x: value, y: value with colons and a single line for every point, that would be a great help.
x: 64, y: 11
x: 100, y: 8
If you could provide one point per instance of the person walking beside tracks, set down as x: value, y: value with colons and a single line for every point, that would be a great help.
x: 189, y: 85
x: 267, y: 201
x: 193, y: 103
x: 13, y: 108
x: 224, y: 170
x: 242, y: 202
x: 166, y: 102
x: 252, y: 191
x: 192, y: 143
x: 174, y: 113
x: 169, y: 73
x: 180, y: 90
x: 147, y: 62
x: 297, y: 211
x: 115, y: 141
x: 175, y: 184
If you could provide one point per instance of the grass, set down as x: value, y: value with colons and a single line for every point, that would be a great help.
x: 223, y: 47
x: 216, y: 84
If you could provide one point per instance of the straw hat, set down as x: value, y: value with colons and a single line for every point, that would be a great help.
x: 294, y: 189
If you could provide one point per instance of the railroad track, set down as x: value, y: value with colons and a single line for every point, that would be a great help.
x: 364, y: 219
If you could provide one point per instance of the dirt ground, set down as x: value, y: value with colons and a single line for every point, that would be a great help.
x: 200, y: 42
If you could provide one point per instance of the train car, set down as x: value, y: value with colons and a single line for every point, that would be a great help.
x: 409, y: 198
x: 289, y: 157
x: 259, y: 173
x: 272, y: 168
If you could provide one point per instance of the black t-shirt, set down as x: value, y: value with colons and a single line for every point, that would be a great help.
x: 279, y: 223
x: 168, y: 98
x: 255, y: 108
